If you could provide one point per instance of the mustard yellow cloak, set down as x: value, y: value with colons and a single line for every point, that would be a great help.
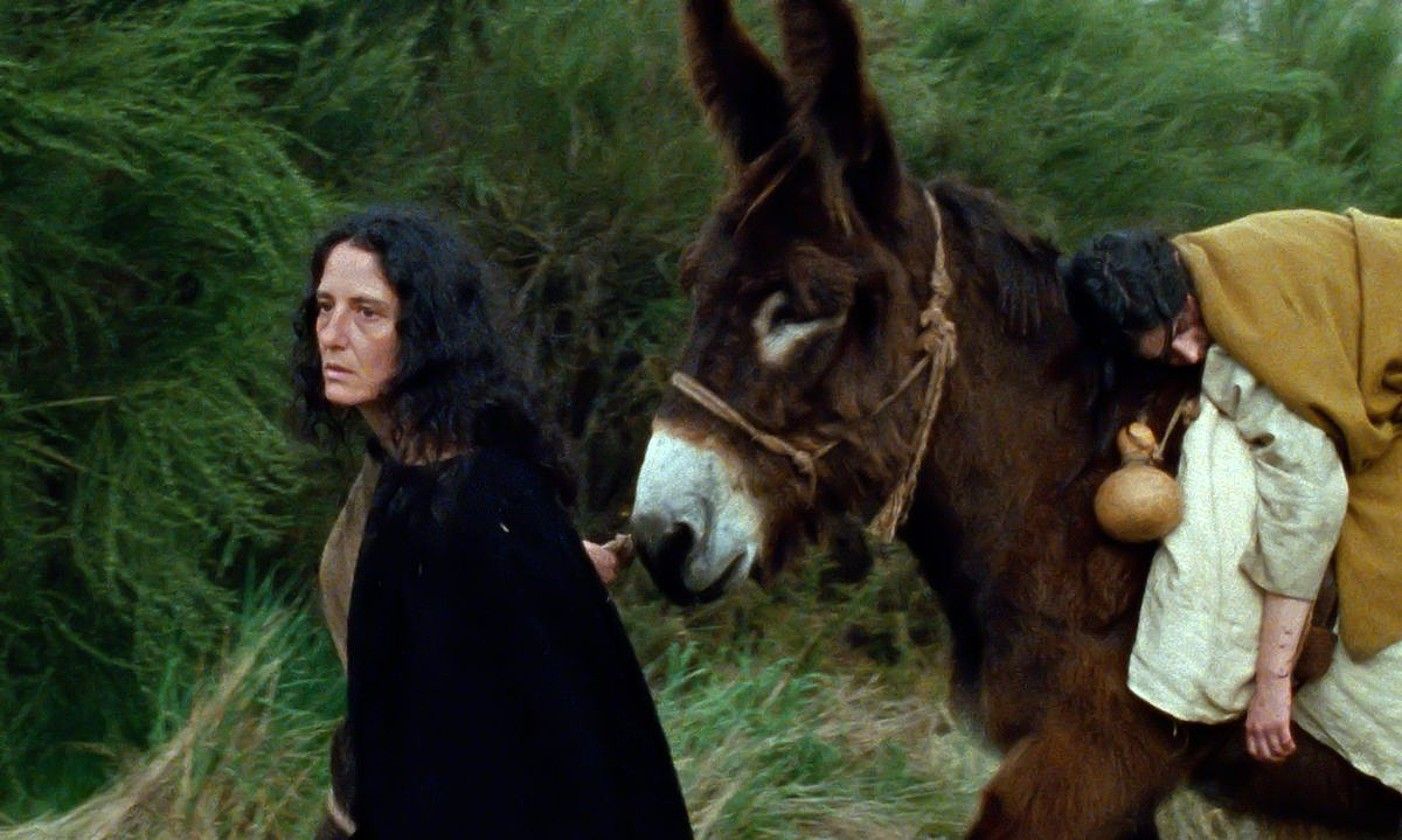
x: 1311, y: 303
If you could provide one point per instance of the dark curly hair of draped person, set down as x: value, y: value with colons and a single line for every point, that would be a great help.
x: 456, y: 385
x: 1122, y: 283
x: 1119, y: 285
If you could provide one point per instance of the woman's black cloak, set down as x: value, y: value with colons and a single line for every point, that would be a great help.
x: 492, y: 689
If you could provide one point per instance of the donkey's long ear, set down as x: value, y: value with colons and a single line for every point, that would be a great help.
x: 823, y: 50
x: 742, y: 93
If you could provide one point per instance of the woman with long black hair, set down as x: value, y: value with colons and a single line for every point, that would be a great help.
x: 492, y: 690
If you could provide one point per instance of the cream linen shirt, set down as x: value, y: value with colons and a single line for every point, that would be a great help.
x: 1264, y: 499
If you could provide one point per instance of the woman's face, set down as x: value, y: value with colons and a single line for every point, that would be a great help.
x: 355, y: 327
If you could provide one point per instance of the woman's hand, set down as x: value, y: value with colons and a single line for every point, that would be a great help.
x: 610, y: 558
x: 1268, y: 735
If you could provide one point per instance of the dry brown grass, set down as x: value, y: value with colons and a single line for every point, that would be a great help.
x: 799, y: 735
x: 233, y: 769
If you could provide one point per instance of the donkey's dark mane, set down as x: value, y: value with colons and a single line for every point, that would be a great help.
x: 1022, y: 264
x: 1017, y: 273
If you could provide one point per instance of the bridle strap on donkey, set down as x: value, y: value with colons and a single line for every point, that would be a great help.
x: 937, y: 342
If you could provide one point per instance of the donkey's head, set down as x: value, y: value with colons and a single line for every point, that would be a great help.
x: 807, y: 285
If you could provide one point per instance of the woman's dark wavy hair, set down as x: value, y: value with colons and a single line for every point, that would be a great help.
x: 456, y: 384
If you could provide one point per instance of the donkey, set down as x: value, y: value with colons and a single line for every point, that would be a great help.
x: 860, y: 340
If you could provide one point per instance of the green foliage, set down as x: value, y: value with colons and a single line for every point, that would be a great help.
x: 1357, y: 47
x: 351, y: 88
x: 1110, y: 113
x: 152, y: 226
x: 580, y: 164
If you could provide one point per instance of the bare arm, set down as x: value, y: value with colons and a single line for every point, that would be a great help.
x: 1283, y: 620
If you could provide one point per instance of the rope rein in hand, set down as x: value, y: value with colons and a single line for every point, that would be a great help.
x: 936, y: 341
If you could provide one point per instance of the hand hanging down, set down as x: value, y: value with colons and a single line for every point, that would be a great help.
x: 1283, y: 620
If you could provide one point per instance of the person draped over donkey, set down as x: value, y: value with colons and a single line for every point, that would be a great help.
x: 1296, y: 319
x: 492, y: 690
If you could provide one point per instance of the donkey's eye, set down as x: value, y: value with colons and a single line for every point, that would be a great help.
x: 775, y: 313
x: 781, y: 330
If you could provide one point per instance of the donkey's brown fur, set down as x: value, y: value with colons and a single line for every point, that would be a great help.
x: 1042, y: 606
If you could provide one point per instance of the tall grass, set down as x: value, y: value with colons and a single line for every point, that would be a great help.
x: 782, y: 725
x: 243, y: 755
x: 766, y: 745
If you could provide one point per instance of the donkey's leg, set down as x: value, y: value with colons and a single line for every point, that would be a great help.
x: 1072, y: 781
x: 1314, y: 784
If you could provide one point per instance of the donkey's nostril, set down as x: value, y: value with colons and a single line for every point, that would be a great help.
x: 662, y: 540
x: 676, y: 544
x: 663, y: 547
